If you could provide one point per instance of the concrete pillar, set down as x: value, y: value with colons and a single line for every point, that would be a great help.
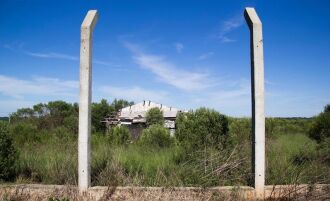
x: 258, y: 108
x: 87, y: 28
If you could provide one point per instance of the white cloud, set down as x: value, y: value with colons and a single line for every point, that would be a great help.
x: 178, y: 47
x: 206, y: 55
x: 134, y: 93
x: 55, y: 55
x: 228, y: 26
x: 231, y: 97
x: 18, y: 88
x: 169, y: 73
x: 52, y: 55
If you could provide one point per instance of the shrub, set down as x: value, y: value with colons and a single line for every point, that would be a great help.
x: 119, y: 135
x: 71, y: 122
x: 62, y: 133
x: 320, y: 129
x: 327, y: 108
x: 240, y: 129
x: 156, y: 136
x: 24, y: 132
x: 99, y: 112
x: 8, y: 154
x: 202, y: 128
x: 154, y: 116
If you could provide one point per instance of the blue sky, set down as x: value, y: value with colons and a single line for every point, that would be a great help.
x: 184, y: 54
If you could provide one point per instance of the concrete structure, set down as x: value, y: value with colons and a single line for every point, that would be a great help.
x: 87, y: 28
x: 257, y: 89
x: 98, y: 193
x: 134, y: 117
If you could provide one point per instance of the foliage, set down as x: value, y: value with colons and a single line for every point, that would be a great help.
x: 48, y: 116
x: 4, y: 119
x: 213, y: 150
x: 154, y: 116
x: 156, y: 136
x: 279, y: 126
x: 239, y: 130
x: 119, y: 135
x: 290, y: 160
x: 148, y: 167
x: 24, y: 132
x: 99, y: 112
x: 320, y: 129
x: 201, y: 128
x: 327, y: 108
x: 50, y: 161
x: 8, y: 154
x: 119, y: 104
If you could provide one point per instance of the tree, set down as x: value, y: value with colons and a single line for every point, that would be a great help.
x: 202, y: 128
x: 154, y: 116
x: 156, y: 136
x: 58, y: 111
x: 99, y: 112
x: 8, y: 154
x: 327, y: 108
x: 119, y: 104
x: 320, y: 129
x: 119, y: 135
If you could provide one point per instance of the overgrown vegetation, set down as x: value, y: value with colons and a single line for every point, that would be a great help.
x: 8, y: 154
x: 154, y: 116
x: 119, y: 135
x: 156, y: 136
x: 208, y: 149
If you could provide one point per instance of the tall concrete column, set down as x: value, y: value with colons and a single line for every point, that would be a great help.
x: 258, y: 108
x: 84, y: 152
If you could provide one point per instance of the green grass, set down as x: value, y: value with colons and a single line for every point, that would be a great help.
x: 289, y: 159
x: 52, y: 159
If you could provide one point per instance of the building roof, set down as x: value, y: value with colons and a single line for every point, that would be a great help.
x: 139, y: 110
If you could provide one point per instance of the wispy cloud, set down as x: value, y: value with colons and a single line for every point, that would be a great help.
x: 179, y: 47
x: 52, y: 55
x: 55, y: 55
x: 18, y: 88
x: 205, y: 55
x: 228, y: 26
x: 169, y: 73
x: 134, y: 93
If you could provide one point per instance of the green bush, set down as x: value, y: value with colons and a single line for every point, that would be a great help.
x: 24, y: 132
x: 240, y: 129
x: 202, y: 128
x: 154, y: 116
x: 320, y: 129
x: 327, y: 108
x: 119, y: 135
x: 99, y: 112
x: 62, y: 133
x: 71, y: 122
x: 156, y: 136
x: 8, y: 154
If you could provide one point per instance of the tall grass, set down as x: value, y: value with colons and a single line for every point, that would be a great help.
x: 289, y: 159
x: 52, y: 159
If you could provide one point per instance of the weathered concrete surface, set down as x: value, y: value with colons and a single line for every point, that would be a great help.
x: 86, y: 42
x: 258, y: 105
x: 98, y: 193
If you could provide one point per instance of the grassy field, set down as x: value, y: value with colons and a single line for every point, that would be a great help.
x: 51, y: 158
